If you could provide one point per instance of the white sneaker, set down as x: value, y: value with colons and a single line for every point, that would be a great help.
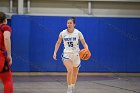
x: 69, y: 91
x: 73, y: 89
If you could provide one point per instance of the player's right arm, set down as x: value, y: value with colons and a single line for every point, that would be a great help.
x: 57, y: 47
x: 7, y: 43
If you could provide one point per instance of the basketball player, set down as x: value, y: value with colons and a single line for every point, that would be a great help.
x: 5, y: 54
x: 70, y: 57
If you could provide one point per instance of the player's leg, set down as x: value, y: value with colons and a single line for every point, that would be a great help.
x: 75, y: 74
x: 69, y: 66
x: 76, y: 66
x: 7, y: 81
x: 74, y: 77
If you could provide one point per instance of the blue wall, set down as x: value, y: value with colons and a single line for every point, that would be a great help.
x: 113, y: 42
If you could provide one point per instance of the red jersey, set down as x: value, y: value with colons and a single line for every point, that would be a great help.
x: 3, y: 27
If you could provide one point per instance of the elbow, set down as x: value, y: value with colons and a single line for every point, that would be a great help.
x: 6, y: 38
x: 58, y: 43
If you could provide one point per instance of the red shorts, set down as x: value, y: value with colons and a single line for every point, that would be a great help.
x: 2, y: 61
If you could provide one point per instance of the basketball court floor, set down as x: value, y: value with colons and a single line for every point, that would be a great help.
x: 85, y: 84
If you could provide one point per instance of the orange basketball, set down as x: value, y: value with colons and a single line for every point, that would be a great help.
x: 84, y: 54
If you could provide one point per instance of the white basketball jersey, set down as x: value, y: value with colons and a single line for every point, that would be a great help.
x: 71, y: 40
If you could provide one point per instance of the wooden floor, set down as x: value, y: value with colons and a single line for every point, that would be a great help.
x: 86, y: 84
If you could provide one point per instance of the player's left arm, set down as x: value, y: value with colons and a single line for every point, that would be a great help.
x: 84, y: 43
x: 81, y: 37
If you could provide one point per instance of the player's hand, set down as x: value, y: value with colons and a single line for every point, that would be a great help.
x: 9, y: 60
x: 54, y: 56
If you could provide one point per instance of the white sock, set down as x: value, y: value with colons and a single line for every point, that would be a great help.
x: 73, y: 85
x: 69, y: 86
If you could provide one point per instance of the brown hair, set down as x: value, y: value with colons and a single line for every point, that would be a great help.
x: 73, y: 19
x: 2, y: 17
